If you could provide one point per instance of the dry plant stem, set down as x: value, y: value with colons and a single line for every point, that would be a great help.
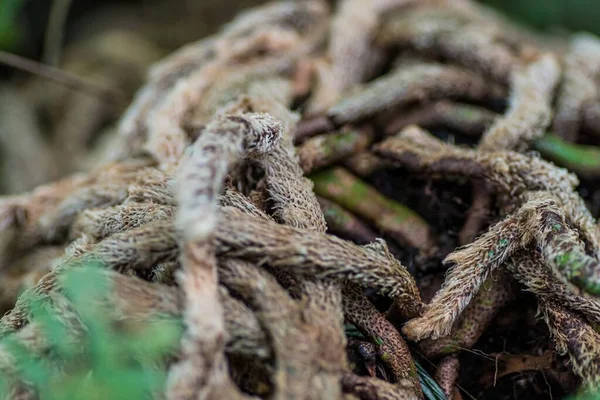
x: 100, y: 223
x: 471, y: 267
x: 391, y: 347
x: 56, y: 225
x: 130, y: 301
x: 530, y: 106
x: 446, y: 374
x: 402, y: 224
x: 466, y: 119
x: 540, y: 222
x: 354, y: 58
x: 203, y: 370
x: 579, y: 87
x: 309, y: 127
x: 497, y: 291
x: 295, y: 204
x: 268, y: 52
x: 316, y: 254
x: 562, y: 248
x: 510, y: 174
x: 370, y: 388
x: 138, y: 248
x: 344, y: 223
x: 530, y: 271
x: 506, y: 171
x: 190, y: 72
x: 291, y: 339
x: 412, y: 84
x: 167, y: 138
x: 21, y: 217
x: 294, y: 201
x: 572, y: 335
x: 221, y: 145
x: 61, y: 77
x: 435, y: 30
x: 324, y: 150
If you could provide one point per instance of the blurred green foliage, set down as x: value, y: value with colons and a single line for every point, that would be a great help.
x: 574, y: 15
x: 107, y: 361
x: 12, y: 30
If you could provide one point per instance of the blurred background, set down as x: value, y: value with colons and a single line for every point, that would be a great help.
x: 48, y: 130
x: 23, y: 23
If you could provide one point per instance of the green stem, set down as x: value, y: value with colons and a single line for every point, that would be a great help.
x: 345, y: 223
x: 324, y: 150
x: 580, y: 159
x: 391, y: 217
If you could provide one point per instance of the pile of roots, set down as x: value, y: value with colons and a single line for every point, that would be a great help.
x: 256, y: 171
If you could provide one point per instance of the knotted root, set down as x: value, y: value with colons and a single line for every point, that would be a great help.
x: 295, y: 204
x: 203, y: 368
x: 292, y: 340
x: 222, y: 220
x: 539, y: 222
x: 316, y: 254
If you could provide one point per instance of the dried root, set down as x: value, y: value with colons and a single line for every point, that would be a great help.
x: 295, y: 204
x: 291, y: 339
x: 539, y: 222
x: 412, y: 84
x: 530, y: 107
x: 465, y: 119
x: 446, y: 374
x: 578, y: 89
x: 315, y: 254
x: 498, y: 290
x: 444, y: 32
x: 217, y: 213
x: 354, y: 58
x: 391, y: 347
x: 367, y: 388
x: 576, y: 338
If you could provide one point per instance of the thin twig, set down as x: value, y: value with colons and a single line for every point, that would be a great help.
x: 64, y: 78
